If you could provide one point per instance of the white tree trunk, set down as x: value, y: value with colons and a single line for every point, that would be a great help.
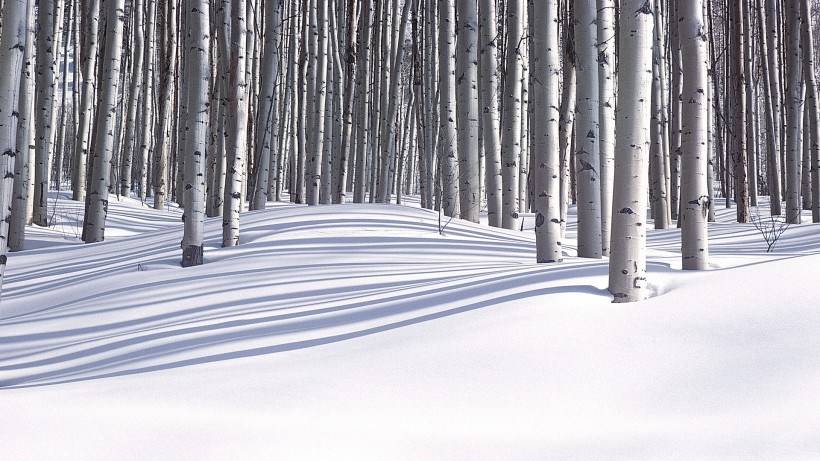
x: 627, y: 261
x: 794, y: 118
x: 13, y: 43
x: 544, y: 65
x: 267, y: 112
x: 129, y: 151
x: 146, y: 119
x: 162, y: 143
x: 467, y: 111
x: 196, y: 139
x: 511, y: 115
x: 104, y: 126
x: 488, y: 85
x: 447, y: 130
x: 237, y: 120
x: 813, y: 136
x: 21, y: 203
x: 606, y: 86
x: 49, y: 19
x: 694, y: 137
x: 587, y: 155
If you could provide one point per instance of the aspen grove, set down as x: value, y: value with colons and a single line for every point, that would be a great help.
x: 636, y: 140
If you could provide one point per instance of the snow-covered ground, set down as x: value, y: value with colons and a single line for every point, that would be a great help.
x: 361, y: 332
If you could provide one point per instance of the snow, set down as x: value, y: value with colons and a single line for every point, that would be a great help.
x: 360, y: 332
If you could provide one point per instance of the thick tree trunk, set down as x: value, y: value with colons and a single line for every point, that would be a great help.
x: 627, y: 261
x: 694, y: 137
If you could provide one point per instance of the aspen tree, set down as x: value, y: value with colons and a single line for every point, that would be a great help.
x: 103, y: 145
x: 196, y: 140
x: 771, y: 112
x: 544, y: 57
x: 342, y: 161
x: 267, y: 98
x: 627, y: 261
x: 567, y: 119
x: 511, y: 115
x: 739, y: 153
x: 694, y: 137
x: 447, y: 130
x: 794, y: 114
x: 812, y: 137
x: 148, y: 105
x: 13, y: 42
x: 467, y: 110
x: 488, y: 85
x: 363, y: 96
x: 587, y: 149
x: 49, y: 20
x: 237, y: 127
x: 162, y: 136
x: 606, y: 111
x: 21, y: 199
x: 129, y: 151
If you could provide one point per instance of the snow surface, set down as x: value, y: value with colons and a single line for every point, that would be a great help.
x: 360, y: 332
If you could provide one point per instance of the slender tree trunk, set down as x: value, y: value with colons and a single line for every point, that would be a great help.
x: 129, y: 151
x: 544, y: 65
x: 104, y: 126
x: 772, y: 113
x: 694, y: 137
x: 21, y: 199
x: 162, y: 137
x: 447, y: 131
x: 488, y: 85
x: 738, y: 80
x: 267, y: 97
x: 511, y: 115
x: 606, y: 115
x: 467, y: 113
x: 567, y: 116
x: 813, y: 135
x: 794, y: 114
x: 587, y: 154
x: 237, y: 121
x: 196, y: 140
x: 148, y: 105
x: 627, y: 261
x: 13, y: 42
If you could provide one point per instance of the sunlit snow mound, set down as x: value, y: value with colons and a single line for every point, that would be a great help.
x: 363, y: 332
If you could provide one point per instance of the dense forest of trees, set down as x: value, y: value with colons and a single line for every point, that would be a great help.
x: 636, y: 111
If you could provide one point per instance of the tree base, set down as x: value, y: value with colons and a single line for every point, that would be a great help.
x: 192, y: 256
